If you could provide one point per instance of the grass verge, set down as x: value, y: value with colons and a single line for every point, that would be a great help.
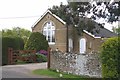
x: 54, y: 74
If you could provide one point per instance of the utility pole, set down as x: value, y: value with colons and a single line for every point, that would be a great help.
x: 18, y: 33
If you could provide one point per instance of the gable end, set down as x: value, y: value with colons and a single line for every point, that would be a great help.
x: 48, y: 11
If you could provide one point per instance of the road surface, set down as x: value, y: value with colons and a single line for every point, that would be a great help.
x: 22, y: 71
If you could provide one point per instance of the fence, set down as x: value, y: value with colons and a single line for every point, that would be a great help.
x: 88, y: 64
x: 21, y: 55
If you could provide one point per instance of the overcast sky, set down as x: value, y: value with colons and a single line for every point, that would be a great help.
x: 23, y: 13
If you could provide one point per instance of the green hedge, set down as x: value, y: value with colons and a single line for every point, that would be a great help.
x: 110, y: 57
x: 16, y: 43
x: 36, y: 42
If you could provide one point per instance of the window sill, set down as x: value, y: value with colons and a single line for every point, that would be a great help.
x: 51, y: 43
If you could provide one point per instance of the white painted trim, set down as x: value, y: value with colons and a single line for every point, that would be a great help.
x: 82, y: 48
x: 48, y: 11
x: 51, y: 43
x: 90, y: 34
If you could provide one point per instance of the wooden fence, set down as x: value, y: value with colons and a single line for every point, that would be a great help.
x: 21, y: 55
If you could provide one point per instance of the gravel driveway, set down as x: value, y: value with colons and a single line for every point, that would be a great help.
x: 22, y: 71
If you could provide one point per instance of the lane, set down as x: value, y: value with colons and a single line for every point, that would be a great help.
x: 22, y: 71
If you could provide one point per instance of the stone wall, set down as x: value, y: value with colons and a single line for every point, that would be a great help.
x: 88, y: 64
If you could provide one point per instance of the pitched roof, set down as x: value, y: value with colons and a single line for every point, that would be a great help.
x: 48, y: 11
x: 101, y: 32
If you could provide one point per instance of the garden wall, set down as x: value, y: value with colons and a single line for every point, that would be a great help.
x: 87, y: 64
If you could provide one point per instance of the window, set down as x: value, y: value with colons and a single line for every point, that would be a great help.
x: 90, y: 45
x: 49, y: 32
x: 70, y: 45
x: 82, y: 44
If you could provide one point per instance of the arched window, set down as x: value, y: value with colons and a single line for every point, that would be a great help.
x: 49, y: 32
x: 82, y: 44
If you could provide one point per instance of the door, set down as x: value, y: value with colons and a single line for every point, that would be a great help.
x: 82, y: 44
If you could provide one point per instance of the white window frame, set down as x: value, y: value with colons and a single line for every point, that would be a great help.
x: 82, y: 46
x: 49, y: 26
x: 70, y: 45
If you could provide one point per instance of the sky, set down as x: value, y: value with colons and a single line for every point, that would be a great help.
x: 23, y: 13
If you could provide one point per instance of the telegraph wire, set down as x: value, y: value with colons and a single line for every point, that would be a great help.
x: 19, y: 17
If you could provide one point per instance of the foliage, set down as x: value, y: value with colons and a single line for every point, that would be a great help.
x: 19, y: 43
x: 74, y: 11
x: 36, y: 42
x: 15, y: 43
x: 17, y: 32
x: 54, y: 74
x: 85, y: 24
x: 117, y: 30
x: 70, y: 15
x: 44, y: 52
x: 20, y: 62
x: 107, y: 10
x: 110, y: 55
x: 41, y: 58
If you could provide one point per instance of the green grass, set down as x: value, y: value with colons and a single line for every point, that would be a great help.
x: 54, y: 74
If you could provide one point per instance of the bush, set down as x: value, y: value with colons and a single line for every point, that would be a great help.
x: 36, y: 42
x: 20, y: 62
x: 15, y: 43
x: 110, y: 58
x: 41, y: 58
x: 44, y: 52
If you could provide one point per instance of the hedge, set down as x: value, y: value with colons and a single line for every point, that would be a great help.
x: 16, y: 43
x: 36, y: 41
x: 110, y: 54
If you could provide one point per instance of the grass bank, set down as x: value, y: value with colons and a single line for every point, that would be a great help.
x: 54, y: 74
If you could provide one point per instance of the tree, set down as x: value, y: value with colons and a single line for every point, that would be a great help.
x: 107, y: 10
x: 117, y: 30
x: 73, y: 12
x: 110, y: 54
x: 70, y: 14
x: 36, y: 41
x: 17, y: 32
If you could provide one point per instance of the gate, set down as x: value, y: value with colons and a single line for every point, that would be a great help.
x: 22, y: 55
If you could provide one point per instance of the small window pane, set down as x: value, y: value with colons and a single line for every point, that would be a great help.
x: 53, y: 36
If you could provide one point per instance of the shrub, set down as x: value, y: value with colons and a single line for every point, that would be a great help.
x: 110, y: 58
x: 36, y: 42
x: 12, y: 43
x: 20, y: 62
x: 41, y: 58
x: 44, y: 52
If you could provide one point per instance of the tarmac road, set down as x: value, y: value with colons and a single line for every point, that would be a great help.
x: 23, y: 71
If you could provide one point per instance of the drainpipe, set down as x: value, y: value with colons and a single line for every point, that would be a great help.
x: 67, y: 38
